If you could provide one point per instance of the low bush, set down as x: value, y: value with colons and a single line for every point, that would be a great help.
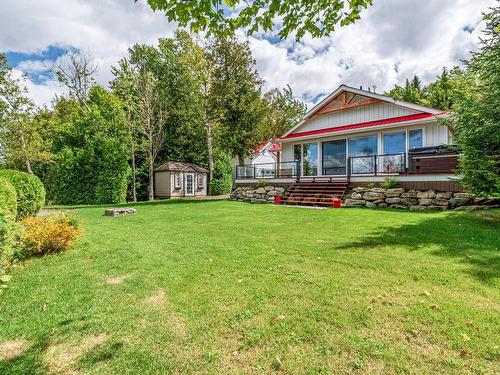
x: 389, y: 182
x: 48, y: 235
x: 30, y: 192
x: 261, y: 184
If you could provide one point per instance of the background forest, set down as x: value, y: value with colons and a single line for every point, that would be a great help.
x: 186, y: 99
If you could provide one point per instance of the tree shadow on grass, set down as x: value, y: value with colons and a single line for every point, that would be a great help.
x: 29, y: 362
x: 156, y: 202
x: 470, y: 237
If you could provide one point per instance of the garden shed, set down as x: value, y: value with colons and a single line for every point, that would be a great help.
x: 177, y: 179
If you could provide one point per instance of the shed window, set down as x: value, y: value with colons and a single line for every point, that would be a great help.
x: 200, y: 181
x: 177, y: 180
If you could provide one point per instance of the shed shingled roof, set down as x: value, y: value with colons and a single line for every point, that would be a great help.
x: 177, y: 166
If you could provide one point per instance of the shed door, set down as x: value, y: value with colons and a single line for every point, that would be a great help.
x: 189, y: 184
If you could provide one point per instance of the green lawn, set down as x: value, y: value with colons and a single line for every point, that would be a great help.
x: 228, y: 287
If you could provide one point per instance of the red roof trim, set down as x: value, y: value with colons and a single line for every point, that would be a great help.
x: 275, y: 147
x: 393, y: 120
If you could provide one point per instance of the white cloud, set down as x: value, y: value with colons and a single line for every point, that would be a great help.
x: 418, y: 36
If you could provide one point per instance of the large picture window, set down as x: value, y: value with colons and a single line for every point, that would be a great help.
x: 361, y: 150
x: 395, y: 143
x: 334, y: 157
x: 416, y: 138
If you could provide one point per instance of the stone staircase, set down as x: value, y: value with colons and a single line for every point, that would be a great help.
x: 315, y: 192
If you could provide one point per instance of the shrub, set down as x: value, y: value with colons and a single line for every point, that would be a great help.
x: 8, y: 233
x: 261, y: 184
x: 29, y: 189
x: 48, y: 235
x: 389, y: 182
x: 222, y: 182
x: 8, y: 228
x: 8, y: 199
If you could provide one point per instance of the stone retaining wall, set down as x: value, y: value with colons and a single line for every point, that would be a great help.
x: 264, y: 194
x: 417, y: 200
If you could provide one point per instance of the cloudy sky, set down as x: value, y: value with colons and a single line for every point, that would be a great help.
x: 394, y: 40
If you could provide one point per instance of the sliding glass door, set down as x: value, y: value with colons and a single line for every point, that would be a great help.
x: 307, y: 155
x: 334, y: 157
x: 310, y: 159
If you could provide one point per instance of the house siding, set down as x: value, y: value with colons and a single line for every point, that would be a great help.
x: 162, y: 185
x: 357, y: 115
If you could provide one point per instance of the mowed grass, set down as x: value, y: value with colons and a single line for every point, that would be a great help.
x: 233, y: 288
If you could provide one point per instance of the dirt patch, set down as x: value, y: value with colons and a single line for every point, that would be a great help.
x: 62, y: 357
x: 177, y: 325
x: 115, y: 280
x: 12, y: 349
x: 156, y: 298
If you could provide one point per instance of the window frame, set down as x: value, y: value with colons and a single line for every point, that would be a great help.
x: 177, y: 180
x: 200, y: 181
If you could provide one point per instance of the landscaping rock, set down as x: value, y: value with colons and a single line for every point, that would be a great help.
x: 379, y: 201
x: 269, y: 188
x: 120, y: 211
x: 426, y: 194
x: 476, y: 207
x: 440, y: 202
x: 373, y: 196
x: 272, y: 193
x: 462, y: 195
x: 409, y: 201
x: 425, y: 201
x: 393, y: 200
x: 279, y: 189
x: 260, y: 191
x: 382, y: 205
x: 369, y: 204
x: 446, y: 195
x: 394, y: 192
x: 409, y: 194
x: 458, y: 201
x: 354, y: 202
x: 356, y: 196
x: 360, y: 189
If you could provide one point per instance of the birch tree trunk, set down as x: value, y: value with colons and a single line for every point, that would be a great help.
x: 210, y: 149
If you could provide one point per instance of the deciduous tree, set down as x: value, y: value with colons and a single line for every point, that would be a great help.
x: 291, y: 17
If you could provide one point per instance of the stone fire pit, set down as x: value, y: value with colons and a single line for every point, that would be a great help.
x: 120, y: 211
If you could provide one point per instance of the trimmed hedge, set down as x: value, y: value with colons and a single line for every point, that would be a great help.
x: 30, y: 192
x: 8, y: 228
x: 8, y: 199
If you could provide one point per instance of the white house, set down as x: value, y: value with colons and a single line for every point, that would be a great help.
x: 262, y: 162
x: 362, y: 137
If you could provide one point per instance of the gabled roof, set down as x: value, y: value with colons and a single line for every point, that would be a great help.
x: 261, y: 147
x: 345, y: 97
x: 177, y: 166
